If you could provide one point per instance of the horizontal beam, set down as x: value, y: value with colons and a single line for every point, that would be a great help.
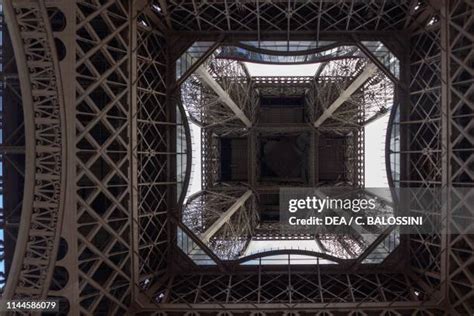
x: 318, y: 306
x: 284, y: 128
x: 368, y: 72
x: 6, y: 149
x: 236, y: 36
x: 206, y: 77
x: 214, y: 228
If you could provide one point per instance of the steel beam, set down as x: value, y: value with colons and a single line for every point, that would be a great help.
x: 312, y: 166
x: 378, y: 63
x: 284, y: 128
x: 11, y: 150
x: 37, y: 62
x: 368, y: 72
x: 206, y: 77
x: 252, y: 158
x: 446, y: 149
x: 214, y: 228
x: 365, y: 234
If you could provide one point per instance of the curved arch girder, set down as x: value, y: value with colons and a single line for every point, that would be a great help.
x: 43, y: 107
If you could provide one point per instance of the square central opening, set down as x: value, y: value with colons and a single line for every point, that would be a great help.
x: 283, y: 158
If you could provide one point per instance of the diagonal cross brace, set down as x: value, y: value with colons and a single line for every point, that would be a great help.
x: 206, y: 77
x: 214, y: 228
x: 368, y: 72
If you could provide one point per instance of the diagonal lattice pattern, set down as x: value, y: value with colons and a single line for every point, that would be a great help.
x: 211, y: 158
x: 152, y: 154
x: 44, y: 176
x: 320, y: 289
x: 103, y: 156
x: 206, y: 108
x: 288, y: 16
x: 460, y: 22
x: 122, y: 190
x: 12, y: 156
x: 423, y: 150
x: 205, y: 208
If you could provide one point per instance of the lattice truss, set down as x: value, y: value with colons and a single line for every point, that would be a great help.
x: 12, y: 155
x: 115, y: 246
x: 324, y: 93
x: 210, y: 154
x: 342, y: 246
x: 349, y: 246
x: 461, y: 154
x: 424, y: 142
x: 204, y: 209
x: 152, y: 153
x: 282, y: 85
x: 439, y: 148
x: 206, y: 108
x: 374, y: 97
x: 352, y: 242
x: 43, y: 107
x: 318, y: 288
x: 354, y: 174
x: 103, y: 156
x: 263, y: 16
x: 429, y: 246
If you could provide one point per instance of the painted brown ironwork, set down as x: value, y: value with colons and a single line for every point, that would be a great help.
x: 42, y: 208
x: 122, y: 183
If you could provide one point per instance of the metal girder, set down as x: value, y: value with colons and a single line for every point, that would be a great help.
x: 200, y: 245
x: 263, y: 18
x: 206, y: 77
x: 219, y: 219
x: 313, y: 166
x: 252, y: 158
x: 362, y: 231
x: 284, y: 128
x: 311, y: 291
x: 373, y: 246
x: 214, y: 228
x: 423, y: 104
x: 153, y: 154
x: 7, y: 150
x: 368, y: 72
x: 125, y: 196
x: 143, y: 6
x: 13, y: 175
x: 437, y: 154
x: 457, y: 176
x: 210, y: 158
x: 43, y: 108
x: 378, y: 63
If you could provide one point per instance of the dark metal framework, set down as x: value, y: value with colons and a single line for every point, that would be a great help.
x: 98, y: 85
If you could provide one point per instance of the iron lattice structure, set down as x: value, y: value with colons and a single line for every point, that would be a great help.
x: 206, y: 207
x: 95, y: 221
x: 206, y: 108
